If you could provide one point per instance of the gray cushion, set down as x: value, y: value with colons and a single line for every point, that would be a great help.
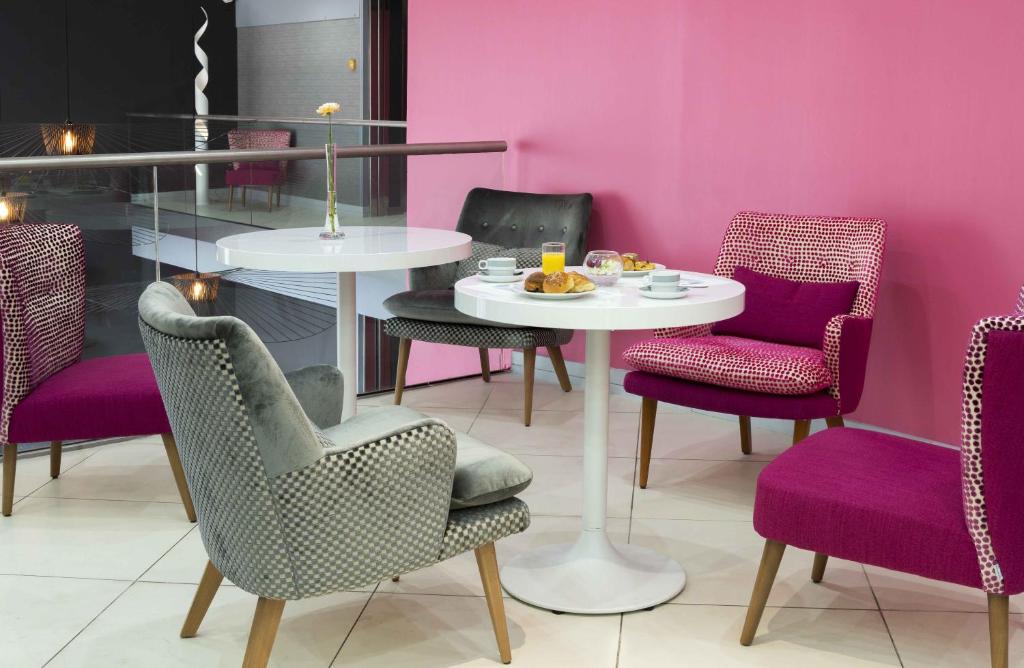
x: 482, y: 474
x: 434, y: 306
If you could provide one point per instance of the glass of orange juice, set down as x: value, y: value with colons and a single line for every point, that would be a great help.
x: 552, y: 257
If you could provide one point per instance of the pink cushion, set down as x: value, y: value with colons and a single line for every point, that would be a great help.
x: 870, y: 498
x: 245, y: 176
x: 730, y: 361
x: 785, y: 311
x: 95, y: 398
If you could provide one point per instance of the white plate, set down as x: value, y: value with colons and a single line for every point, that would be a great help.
x: 634, y: 274
x: 551, y: 296
x: 645, y: 291
x: 510, y: 278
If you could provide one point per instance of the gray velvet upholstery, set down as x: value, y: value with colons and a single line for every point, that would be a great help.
x: 287, y: 510
x: 318, y: 390
x: 432, y: 305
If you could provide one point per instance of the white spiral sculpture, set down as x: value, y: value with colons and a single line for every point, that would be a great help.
x: 202, y: 131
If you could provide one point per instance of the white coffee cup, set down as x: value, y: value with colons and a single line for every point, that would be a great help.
x: 498, y: 266
x: 665, y: 280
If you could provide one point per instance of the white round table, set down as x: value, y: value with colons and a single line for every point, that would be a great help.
x: 593, y: 576
x: 362, y: 249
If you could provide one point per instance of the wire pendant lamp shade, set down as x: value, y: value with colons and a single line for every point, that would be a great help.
x: 68, y: 138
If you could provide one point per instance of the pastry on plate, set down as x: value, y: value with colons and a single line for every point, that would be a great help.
x: 534, y: 282
x: 633, y: 262
x: 558, y: 282
x: 581, y: 283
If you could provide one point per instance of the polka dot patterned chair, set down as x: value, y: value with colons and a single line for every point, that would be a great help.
x: 49, y: 392
x: 694, y: 367
x: 911, y: 506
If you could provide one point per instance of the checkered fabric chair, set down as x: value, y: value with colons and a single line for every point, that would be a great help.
x: 694, y: 367
x: 502, y: 224
x: 291, y: 504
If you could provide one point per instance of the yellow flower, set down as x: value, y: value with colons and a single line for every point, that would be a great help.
x: 328, y: 108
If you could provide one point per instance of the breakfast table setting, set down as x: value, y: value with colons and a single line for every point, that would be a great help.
x: 610, y: 292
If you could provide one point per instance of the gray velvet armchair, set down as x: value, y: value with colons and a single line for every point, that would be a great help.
x: 505, y: 224
x: 290, y: 503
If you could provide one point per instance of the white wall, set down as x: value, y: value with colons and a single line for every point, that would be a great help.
x: 274, y: 12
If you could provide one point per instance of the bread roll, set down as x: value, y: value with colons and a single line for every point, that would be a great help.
x: 581, y: 283
x: 558, y: 282
x: 534, y: 282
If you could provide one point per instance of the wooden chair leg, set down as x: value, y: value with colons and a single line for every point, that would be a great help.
x: 648, y: 413
x: 529, y: 364
x: 207, y: 589
x: 487, y: 562
x: 404, y: 347
x: 801, y: 430
x: 999, y: 630
x: 10, y: 464
x: 231, y: 197
x: 558, y: 362
x: 270, y: 199
x: 835, y: 421
x: 279, y: 197
x: 818, y: 570
x: 56, y: 448
x: 770, y: 560
x: 244, y: 191
x: 746, y: 443
x: 263, y: 632
x: 174, y: 459
x: 485, y: 364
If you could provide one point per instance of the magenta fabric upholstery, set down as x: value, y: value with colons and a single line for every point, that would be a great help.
x: 726, y: 400
x: 734, y: 362
x: 785, y: 311
x: 250, y: 138
x: 95, y: 398
x: 871, y: 498
x: 246, y: 176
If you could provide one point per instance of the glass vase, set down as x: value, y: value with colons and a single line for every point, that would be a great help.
x: 331, y: 228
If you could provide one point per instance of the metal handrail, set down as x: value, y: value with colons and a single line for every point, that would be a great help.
x: 280, y: 119
x: 159, y: 158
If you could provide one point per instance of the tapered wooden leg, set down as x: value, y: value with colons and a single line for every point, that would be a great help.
x: 558, y: 362
x: 244, y: 191
x: 648, y: 413
x: 834, y: 421
x: 174, y: 459
x: 56, y: 447
x: 396, y: 578
x: 529, y: 364
x: 818, y: 570
x: 746, y: 445
x: 207, y: 589
x: 485, y: 365
x: 279, y: 197
x: 487, y: 562
x: 231, y: 197
x: 270, y: 199
x: 999, y: 630
x: 10, y: 463
x: 263, y: 632
x: 404, y: 347
x: 801, y: 430
x: 770, y: 560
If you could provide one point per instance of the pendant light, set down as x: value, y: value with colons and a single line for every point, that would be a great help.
x: 68, y: 138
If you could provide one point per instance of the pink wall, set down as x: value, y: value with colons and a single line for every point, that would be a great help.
x: 678, y: 113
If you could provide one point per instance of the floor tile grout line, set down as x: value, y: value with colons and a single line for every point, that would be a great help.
x: 881, y: 613
x: 618, y: 646
x: 63, y: 471
x: 352, y: 628
x: 115, y: 600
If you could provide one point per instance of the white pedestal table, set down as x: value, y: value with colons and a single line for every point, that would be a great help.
x: 364, y: 248
x: 593, y: 576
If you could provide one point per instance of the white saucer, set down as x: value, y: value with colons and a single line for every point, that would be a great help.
x: 500, y: 278
x: 643, y: 272
x: 645, y: 291
x: 552, y: 296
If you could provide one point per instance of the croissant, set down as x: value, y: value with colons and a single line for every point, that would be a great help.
x: 558, y: 282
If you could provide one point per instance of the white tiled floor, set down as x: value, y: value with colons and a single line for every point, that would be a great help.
x: 98, y: 567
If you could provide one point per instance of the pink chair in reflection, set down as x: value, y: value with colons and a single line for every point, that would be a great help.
x: 911, y: 506
x: 799, y: 350
x: 269, y: 174
x: 49, y: 393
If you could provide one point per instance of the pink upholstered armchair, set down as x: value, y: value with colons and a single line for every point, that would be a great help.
x: 269, y: 174
x: 49, y: 393
x: 911, y: 506
x: 709, y: 368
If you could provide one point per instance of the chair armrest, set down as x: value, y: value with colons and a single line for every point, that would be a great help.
x: 846, y: 343
x: 319, y: 391
x: 438, y: 277
x: 687, y: 332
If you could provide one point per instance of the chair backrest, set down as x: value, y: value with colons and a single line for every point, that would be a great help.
x: 808, y: 248
x: 237, y: 424
x: 515, y: 220
x: 247, y: 138
x: 992, y: 449
x: 42, y: 307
